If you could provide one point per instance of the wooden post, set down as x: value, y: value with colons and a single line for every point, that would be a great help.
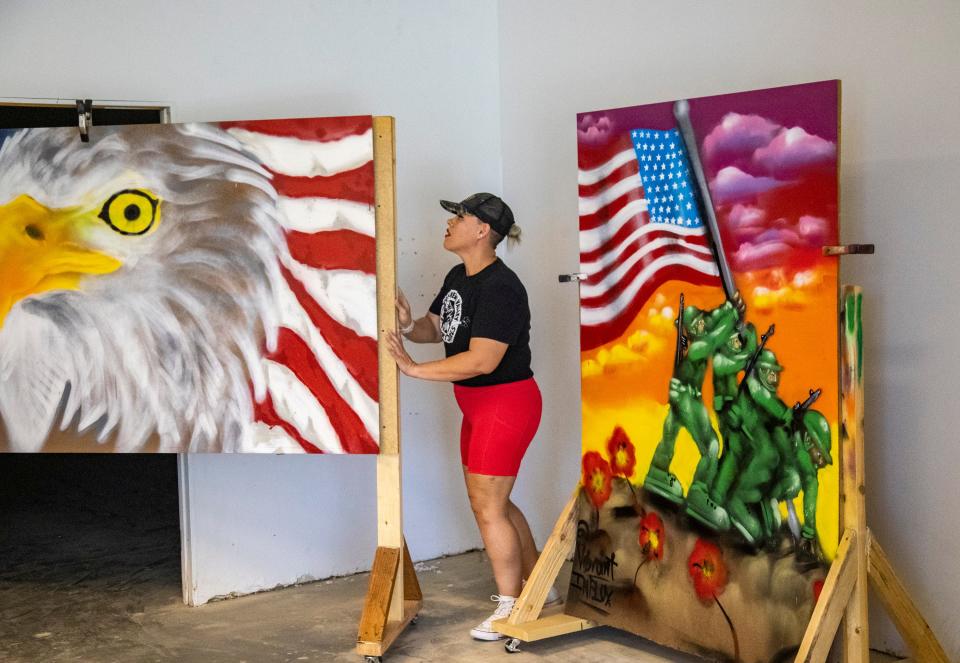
x: 856, y: 636
x: 393, y: 597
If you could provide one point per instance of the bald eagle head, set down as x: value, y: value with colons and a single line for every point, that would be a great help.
x: 137, y: 281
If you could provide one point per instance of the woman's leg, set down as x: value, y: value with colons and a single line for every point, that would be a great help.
x: 528, y: 548
x: 490, y: 501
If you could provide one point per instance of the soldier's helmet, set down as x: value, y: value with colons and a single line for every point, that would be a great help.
x: 767, y: 369
x: 817, y: 430
x: 693, y: 320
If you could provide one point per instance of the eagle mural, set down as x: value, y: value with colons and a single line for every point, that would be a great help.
x: 196, y: 287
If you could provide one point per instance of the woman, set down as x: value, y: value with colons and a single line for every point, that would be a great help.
x: 482, y: 316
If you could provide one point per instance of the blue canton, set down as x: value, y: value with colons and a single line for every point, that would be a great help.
x: 665, y: 174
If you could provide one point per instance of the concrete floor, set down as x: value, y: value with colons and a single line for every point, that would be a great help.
x: 87, y: 576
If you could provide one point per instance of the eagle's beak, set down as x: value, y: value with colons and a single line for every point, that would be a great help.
x: 40, y: 251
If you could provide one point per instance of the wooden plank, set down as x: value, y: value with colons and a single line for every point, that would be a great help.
x: 555, y: 552
x: 918, y: 635
x: 389, y: 487
x: 546, y: 627
x: 856, y: 643
x: 394, y: 629
x: 383, y: 575
x: 833, y: 600
x: 384, y: 174
x: 411, y: 585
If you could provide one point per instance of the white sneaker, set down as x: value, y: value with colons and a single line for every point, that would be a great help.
x: 484, y: 630
x: 553, y: 597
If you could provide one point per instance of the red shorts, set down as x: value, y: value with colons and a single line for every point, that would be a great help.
x: 498, y: 424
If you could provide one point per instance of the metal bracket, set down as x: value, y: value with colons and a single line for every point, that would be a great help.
x: 848, y: 249
x: 572, y: 278
x: 85, y: 118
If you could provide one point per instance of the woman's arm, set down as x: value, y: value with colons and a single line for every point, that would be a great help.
x: 482, y: 357
x: 424, y: 330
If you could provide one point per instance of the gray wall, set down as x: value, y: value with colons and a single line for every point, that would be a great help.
x: 900, y: 175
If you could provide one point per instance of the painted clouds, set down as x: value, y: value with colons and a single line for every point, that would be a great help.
x: 774, y: 188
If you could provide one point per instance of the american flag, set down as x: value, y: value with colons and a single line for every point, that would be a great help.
x: 322, y: 387
x: 639, y: 227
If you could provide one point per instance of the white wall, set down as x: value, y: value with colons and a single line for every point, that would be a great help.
x: 256, y: 522
x: 900, y: 175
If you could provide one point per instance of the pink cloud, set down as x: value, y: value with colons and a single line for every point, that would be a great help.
x: 813, y: 229
x: 750, y: 256
x: 732, y: 184
x: 594, y: 129
x: 792, y: 150
x: 739, y: 135
x: 746, y: 221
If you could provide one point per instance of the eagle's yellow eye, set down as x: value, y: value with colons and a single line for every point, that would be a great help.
x: 131, y: 211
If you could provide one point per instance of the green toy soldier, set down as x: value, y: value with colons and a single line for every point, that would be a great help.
x: 763, y: 420
x: 706, y: 332
x: 810, y: 452
x: 729, y: 359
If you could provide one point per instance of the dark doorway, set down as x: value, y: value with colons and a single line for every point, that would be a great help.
x: 83, y: 533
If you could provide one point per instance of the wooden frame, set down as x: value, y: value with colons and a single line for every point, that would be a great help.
x: 859, y: 557
x: 393, y: 597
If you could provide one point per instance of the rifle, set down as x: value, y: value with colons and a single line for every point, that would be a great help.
x: 799, y: 409
x: 753, y: 359
x: 681, y: 338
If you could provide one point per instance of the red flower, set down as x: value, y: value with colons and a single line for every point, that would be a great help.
x: 623, y: 456
x: 817, y: 588
x: 707, y: 569
x: 597, y: 478
x: 651, y: 537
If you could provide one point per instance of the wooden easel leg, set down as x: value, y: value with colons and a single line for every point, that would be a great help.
x: 910, y: 623
x: 856, y: 635
x: 523, y: 622
x: 376, y: 608
x: 834, y: 598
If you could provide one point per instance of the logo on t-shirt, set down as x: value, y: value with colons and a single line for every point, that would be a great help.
x: 450, y: 313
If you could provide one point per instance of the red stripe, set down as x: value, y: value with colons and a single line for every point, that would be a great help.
x: 621, y: 235
x: 295, y: 354
x: 608, y: 211
x: 355, y: 185
x: 266, y: 413
x: 627, y: 169
x: 334, y: 249
x: 614, y: 291
x: 637, y: 245
x: 596, y: 335
x: 590, y: 156
x: 358, y: 353
x: 307, y: 128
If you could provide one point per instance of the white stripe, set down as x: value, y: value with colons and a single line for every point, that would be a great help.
x: 297, y: 406
x: 612, y: 255
x: 271, y: 440
x: 613, y: 278
x: 591, y: 316
x: 593, y: 239
x: 293, y: 317
x: 591, y: 204
x: 307, y: 158
x: 310, y: 215
x: 347, y: 295
x: 594, y: 175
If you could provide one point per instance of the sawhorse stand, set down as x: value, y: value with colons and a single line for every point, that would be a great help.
x: 859, y: 557
x: 393, y: 598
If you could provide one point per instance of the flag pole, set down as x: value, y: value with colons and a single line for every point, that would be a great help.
x: 681, y: 111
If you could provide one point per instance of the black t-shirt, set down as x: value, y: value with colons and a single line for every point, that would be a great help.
x: 490, y: 304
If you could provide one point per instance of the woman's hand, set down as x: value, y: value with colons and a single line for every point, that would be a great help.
x: 404, y: 314
x: 405, y: 363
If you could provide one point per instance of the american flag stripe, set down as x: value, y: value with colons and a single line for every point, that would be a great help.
x: 334, y: 249
x: 293, y: 353
x: 628, y: 248
x: 321, y: 392
x: 310, y: 215
x: 357, y: 353
x: 295, y: 157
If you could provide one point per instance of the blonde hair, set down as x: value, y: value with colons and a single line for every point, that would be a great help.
x: 512, y: 237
